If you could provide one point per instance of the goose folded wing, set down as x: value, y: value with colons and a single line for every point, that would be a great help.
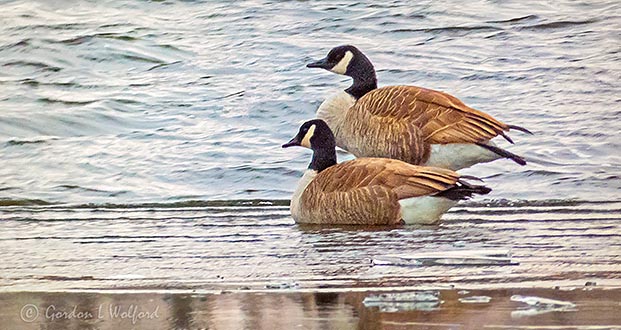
x: 402, y: 179
x: 368, y: 190
x: 441, y: 117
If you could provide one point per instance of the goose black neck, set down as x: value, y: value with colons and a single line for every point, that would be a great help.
x: 362, y: 71
x: 360, y: 87
x: 322, y: 159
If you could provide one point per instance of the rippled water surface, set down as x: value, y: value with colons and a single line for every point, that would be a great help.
x: 140, y: 143
x: 136, y: 101
x: 254, y: 247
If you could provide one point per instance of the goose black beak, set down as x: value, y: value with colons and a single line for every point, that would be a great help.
x: 294, y: 142
x: 323, y: 63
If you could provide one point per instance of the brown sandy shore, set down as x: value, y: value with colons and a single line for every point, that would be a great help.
x: 588, y: 307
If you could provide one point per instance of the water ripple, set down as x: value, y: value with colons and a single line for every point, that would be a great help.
x: 148, y: 102
x: 254, y: 241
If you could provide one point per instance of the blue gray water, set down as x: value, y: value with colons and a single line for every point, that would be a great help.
x: 135, y: 101
x: 133, y: 135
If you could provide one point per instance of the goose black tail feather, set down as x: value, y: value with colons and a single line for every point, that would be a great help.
x: 503, y: 153
x: 506, y: 137
x: 521, y: 129
x: 464, y: 190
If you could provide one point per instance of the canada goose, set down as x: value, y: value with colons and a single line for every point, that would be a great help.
x: 414, y: 124
x: 370, y: 191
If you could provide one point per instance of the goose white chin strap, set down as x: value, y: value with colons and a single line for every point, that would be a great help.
x: 341, y: 67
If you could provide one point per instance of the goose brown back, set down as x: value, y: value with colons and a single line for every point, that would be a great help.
x: 368, y: 190
x: 402, y: 122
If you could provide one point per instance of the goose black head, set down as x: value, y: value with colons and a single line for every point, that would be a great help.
x: 348, y: 60
x: 313, y: 134
x: 316, y: 135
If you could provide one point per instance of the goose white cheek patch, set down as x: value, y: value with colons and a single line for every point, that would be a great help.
x: 341, y: 67
x: 307, y: 137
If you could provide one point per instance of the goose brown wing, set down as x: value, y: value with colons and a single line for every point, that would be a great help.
x: 368, y: 190
x: 441, y: 118
x: 402, y: 179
